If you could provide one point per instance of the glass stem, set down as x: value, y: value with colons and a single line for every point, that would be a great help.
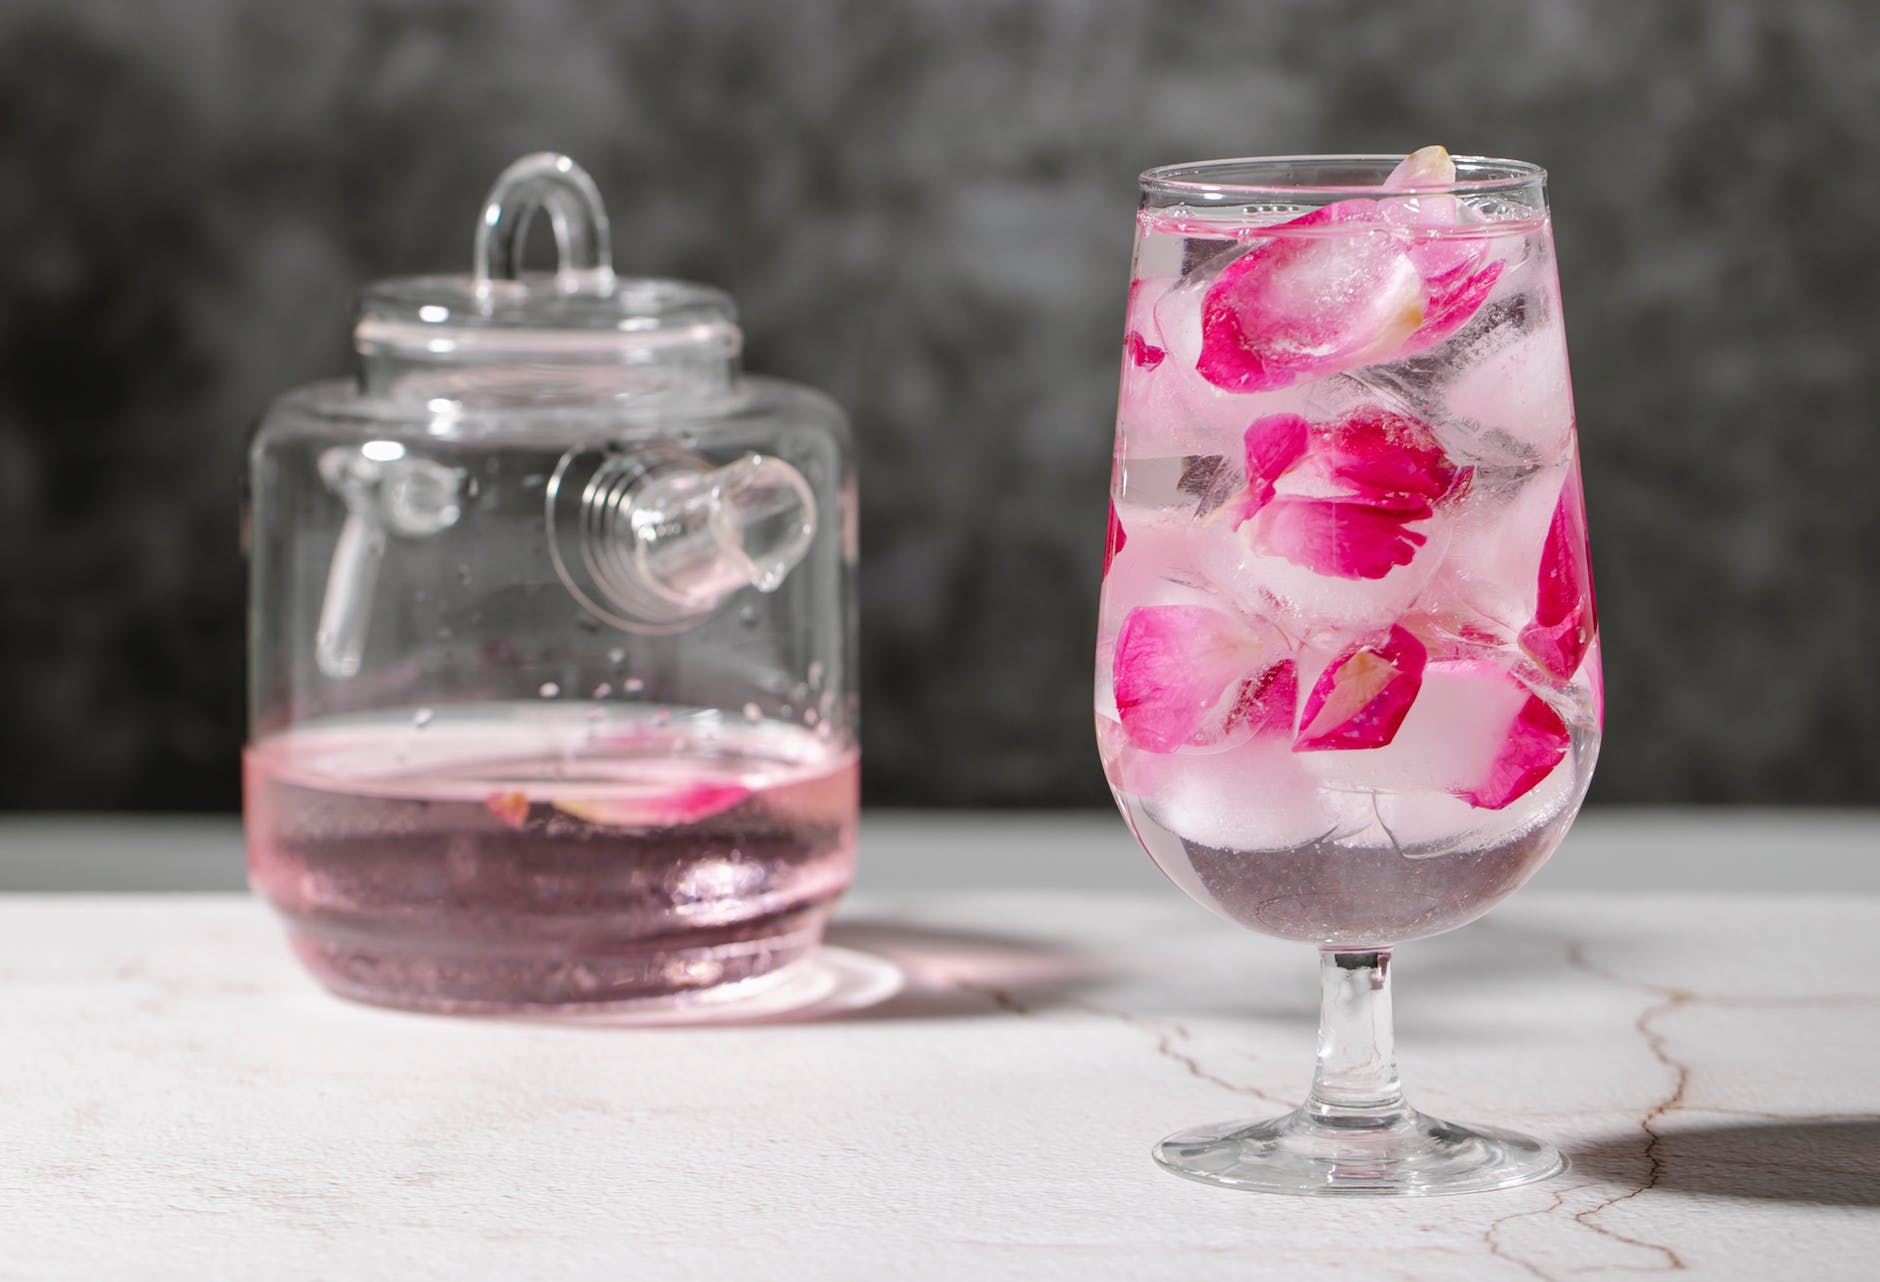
x: 1355, y: 1083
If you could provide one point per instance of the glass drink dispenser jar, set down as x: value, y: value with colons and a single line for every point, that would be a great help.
x: 552, y: 640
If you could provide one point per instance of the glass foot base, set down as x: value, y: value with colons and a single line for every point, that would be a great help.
x: 1411, y: 1156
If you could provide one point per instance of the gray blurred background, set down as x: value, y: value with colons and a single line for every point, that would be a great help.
x: 925, y: 209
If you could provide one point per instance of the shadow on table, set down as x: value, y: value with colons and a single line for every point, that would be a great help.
x: 876, y: 970
x: 948, y: 973
x: 1815, y: 1162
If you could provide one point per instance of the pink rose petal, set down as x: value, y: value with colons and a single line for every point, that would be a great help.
x: 1537, y: 742
x: 1449, y: 309
x: 1372, y: 474
x: 1297, y: 306
x: 1596, y: 680
x: 1114, y: 540
x: 1143, y: 353
x: 1339, y: 539
x: 1429, y: 166
x: 1447, y: 263
x: 1363, y: 696
x: 1273, y: 444
x: 660, y: 809
x: 510, y: 807
x: 1565, y: 618
x: 1373, y: 454
x: 1294, y: 306
x: 1268, y: 703
x: 1173, y: 664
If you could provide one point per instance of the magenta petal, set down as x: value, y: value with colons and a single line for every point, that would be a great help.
x: 1291, y: 307
x: 1374, y: 453
x: 1173, y: 663
x: 1114, y: 539
x: 1384, y: 471
x: 1536, y: 743
x: 1267, y: 703
x: 1300, y: 306
x: 1343, y: 540
x: 1273, y: 444
x: 1565, y: 618
x: 1362, y: 698
x: 1142, y: 352
x: 1448, y: 311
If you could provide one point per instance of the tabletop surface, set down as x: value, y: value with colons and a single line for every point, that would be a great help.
x: 965, y: 1085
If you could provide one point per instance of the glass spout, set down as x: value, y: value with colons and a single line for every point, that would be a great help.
x: 657, y: 540
x: 699, y: 537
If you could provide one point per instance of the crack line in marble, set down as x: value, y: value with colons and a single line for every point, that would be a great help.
x: 1672, y: 999
x: 1166, y: 1034
x: 1646, y: 1026
x: 1491, y: 1235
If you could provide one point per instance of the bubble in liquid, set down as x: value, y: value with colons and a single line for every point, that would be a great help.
x: 422, y: 718
x: 747, y: 615
x: 752, y: 712
x: 815, y: 673
x: 549, y: 690
x: 617, y: 656
x: 602, y: 690
x: 632, y: 685
x: 809, y: 717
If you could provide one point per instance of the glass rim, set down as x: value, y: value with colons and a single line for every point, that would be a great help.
x: 1475, y: 175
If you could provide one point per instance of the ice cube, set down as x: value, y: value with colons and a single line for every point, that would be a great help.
x: 1168, y: 408
x: 1194, y: 483
x: 1155, y: 567
x: 1517, y: 390
x: 1306, y: 603
x: 1495, y: 546
x: 1423, y: 825
x: 1449, y: 740
x: 1497, y: 393
x: 1180, y: 671
x: 1254, y: 795
x: 1105, y: 679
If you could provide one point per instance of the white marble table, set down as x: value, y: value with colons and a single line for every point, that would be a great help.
x: 970, y: 1092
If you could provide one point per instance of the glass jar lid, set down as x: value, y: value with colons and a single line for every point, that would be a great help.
x: 578, y: 333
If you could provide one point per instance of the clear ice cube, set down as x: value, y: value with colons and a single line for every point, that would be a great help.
x: 1496, y: 393
x: 1450, y: 739
x: 1251, y: 796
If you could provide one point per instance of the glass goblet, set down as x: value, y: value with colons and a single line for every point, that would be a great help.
x: 1348, y: 680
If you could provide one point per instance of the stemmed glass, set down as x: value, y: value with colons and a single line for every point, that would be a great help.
x: 1348, y: 683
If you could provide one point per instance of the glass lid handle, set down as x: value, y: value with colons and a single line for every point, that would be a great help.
x: 552, y: 182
